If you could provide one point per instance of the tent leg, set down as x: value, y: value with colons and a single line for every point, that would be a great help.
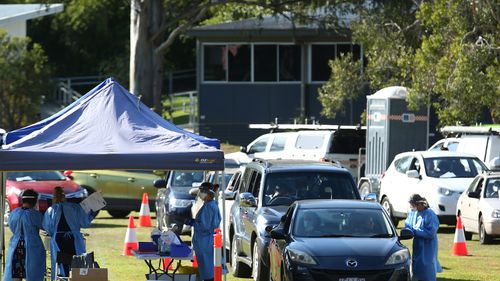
x: 223, y: 184
x: 2, y: 230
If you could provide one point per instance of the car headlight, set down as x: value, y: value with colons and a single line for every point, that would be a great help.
x: 400, y: 256
x: 300, y: 257
x: 180, y: 203
x: 496, y: 214
x: 445, y: 191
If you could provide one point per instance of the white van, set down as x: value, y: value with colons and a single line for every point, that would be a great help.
x: 483, y: 142
x: 341, y: 145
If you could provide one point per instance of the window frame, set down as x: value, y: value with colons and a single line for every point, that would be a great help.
x: 252, y: 63
x: 309, y: 57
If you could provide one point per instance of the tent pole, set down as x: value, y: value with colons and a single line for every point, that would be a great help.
x: 223, y: 184
x: 2, y: 230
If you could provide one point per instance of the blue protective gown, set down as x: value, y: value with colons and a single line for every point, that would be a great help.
x: 207, y: 220
x: 31, y: 222
x: 424, y: 225
x: 76, y: 219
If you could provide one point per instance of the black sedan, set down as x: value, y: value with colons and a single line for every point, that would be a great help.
x: 338, y: 240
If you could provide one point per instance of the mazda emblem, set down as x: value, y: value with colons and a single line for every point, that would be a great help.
x: 351, y: 263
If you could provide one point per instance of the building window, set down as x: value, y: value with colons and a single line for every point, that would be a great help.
x: 265, y: 63
x: 239, y: 62
x: 214, y: 66
x: 322, y: 54
x: 290, y: 62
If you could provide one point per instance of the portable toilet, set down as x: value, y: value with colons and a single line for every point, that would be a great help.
x: 391, y: 128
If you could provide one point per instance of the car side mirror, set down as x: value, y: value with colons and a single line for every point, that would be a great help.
x: 370, y: 197
x: 243, y: 149
x: 247, y: 200
x: 160, y: 183
x: 278, y: 234
x: 413, y: 174
x: 473, y: 194
x: 405, y: 234
x: 229, y: 195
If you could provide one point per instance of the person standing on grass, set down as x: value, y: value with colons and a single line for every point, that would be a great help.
x: 424, y: 223
x: 63, y: 221
x: 207, y: 220
x: 26, y: 254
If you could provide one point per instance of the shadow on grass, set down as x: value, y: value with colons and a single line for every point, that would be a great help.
x: 106, y: 225
x: 446, y: 229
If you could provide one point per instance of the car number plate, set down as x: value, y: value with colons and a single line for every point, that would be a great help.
x: 352, y: 279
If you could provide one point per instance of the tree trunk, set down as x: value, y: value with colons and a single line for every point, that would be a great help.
x: 146, y: 66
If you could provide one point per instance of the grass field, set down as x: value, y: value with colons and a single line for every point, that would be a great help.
x: 107, y: 236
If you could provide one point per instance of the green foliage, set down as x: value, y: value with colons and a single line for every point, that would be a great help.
x: 345, y: 84
x: 23, y: 80
x: 445, y: 52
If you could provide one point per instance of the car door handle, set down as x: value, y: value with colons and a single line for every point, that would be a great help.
x: 131, y: 179
x: 93, y: 176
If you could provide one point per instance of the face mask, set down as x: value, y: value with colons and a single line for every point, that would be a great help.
x: 203, y: 195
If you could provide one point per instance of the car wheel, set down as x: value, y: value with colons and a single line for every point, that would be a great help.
x: 6, y: 214
x: 364, y: 189
x: 118, y: 214
x: 484, y: 238
x: 259, y: 270
x: 239, y: 269
x: 388, y: 208
x: 467, y: 234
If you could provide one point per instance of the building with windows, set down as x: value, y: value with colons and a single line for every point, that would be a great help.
x: 257, y: 70
x: 14, y: 17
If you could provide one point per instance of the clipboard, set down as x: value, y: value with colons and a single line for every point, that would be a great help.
x: 94, y: 202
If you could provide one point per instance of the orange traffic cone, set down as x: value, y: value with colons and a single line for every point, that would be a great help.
x: 459, y: 247
x: 144, y: 216
x: 195, y: 262
x: 167, y: 262
x: 130, y: 238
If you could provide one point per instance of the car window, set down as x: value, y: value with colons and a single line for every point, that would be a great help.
x: 453, y: 167
x: 415, y: 165
x: 278, y: 143
x: 347, y: 141
x: 284, y: 188
x: 452, y: 146
x: 479, y: 186
x: 36, y: 176
x: 341, y: 223
x: 288, y: 218
x: 255, y: 184
x: 403, y: 164
x: 183, y: 180
x: 492, y: 188
x: 234, y: 182
x: 473, y: 185
x: 309, y: 141
x: 259, y: 146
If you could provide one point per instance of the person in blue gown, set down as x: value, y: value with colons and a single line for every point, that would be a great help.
x: 424, y: 223
x: 63, y: 221
x: 206, y: 221
x: 26, y: 254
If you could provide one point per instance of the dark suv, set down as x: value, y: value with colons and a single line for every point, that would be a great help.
x: 266, y: 189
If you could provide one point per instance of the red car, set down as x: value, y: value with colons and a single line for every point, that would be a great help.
x: 42, y: 182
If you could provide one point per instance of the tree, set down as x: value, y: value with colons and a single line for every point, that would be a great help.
x: 156, y: 24
x: 23, y: 81
x: 445, y: 52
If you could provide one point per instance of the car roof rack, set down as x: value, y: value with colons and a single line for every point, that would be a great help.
x: 471, y: 130
x: 275, y: 126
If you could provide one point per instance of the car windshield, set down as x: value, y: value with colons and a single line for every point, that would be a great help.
x: 285, y: 188
x: 341, y: 223
x: 492, y: 188
x: 183, y: 180
x: 36, y: 176
x: 453, y: 167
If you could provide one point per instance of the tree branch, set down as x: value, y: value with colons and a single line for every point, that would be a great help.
x: 180, y: 29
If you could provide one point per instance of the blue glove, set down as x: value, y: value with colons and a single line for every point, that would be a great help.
x: 189, y: 222
x: 92, y: 214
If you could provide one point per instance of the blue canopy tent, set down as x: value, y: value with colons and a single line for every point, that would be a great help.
x: 108, y: 128
x: 19, y: 133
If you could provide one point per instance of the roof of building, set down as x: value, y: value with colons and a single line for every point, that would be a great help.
x: 269, y: 26
x: 10, y: 13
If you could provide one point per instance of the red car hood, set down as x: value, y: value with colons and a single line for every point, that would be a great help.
x: 43, y: 187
